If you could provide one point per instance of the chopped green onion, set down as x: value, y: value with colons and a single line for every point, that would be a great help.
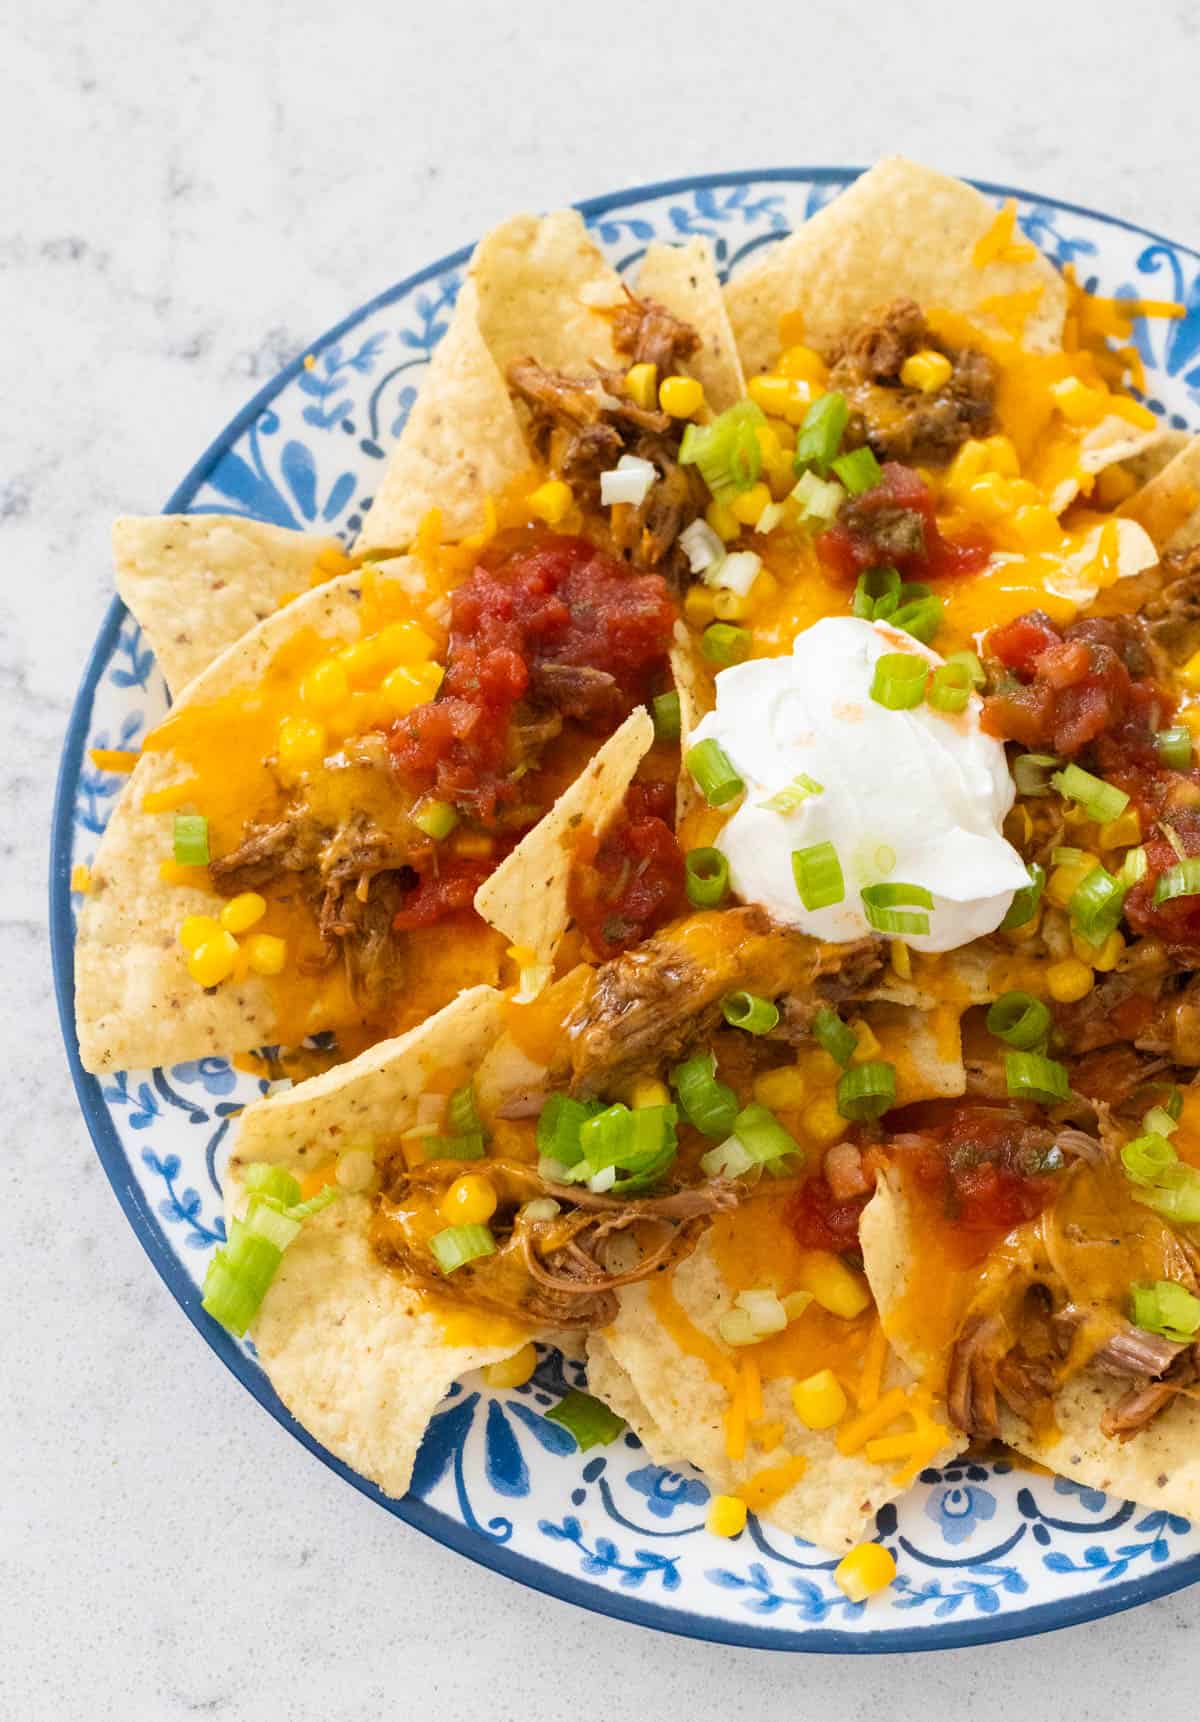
x: 1146, y: 1158
x: 859, y: 471
x: 1065, y: 856
x: 1020, y: 1020
x: 591, y: 1422
x: 867, y: 1090
x: 793, y: 797
x: 1024, y: 905
x: 899, y: 680
x: 1182, y: 880
x: 818, y: 875
x: 713, y: 771
x: 830, y: 1032
x: 762, y: 1135
x: 454, y: 1247
x: 270, y: 1220
x: 1174, y: 747
x: 950, y: 689
x: 818, y: 499
x: 630, y: 1140
x: 328, y: 1194
x: 723, y: 644
x: 876, y: 585
x: 191, y: 840
x: 1133, y: 867
x: 1031, y: 772
x: 727, y: 1160
x: 460, y: 1110
x: 708, y: 1104
x: 821, y: 432
x: 1100, y: 801
x: 467, y: 1145
x: 1030, y: 1076
x: 1096, y: 905
x: 706, y: 877
x: 262, y: 1179
x: 726, y: 451
x: 1175, y: 1196
x: 880, y: 903
x: 436, y: 819
x: 970, y: 662
x: 558, y: 1127
x: 238, y: 1278
x: 1159, y: 1122
x: 665, y: 711
x: 921, y: 618
x: 1173, y: 838
x: 1163, y: 1306
x: 749, y: 1012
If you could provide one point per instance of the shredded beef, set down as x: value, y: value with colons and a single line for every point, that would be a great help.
x: 1173, y: 614
x: 907, y: 424
x: 290, y: 844
x: 647, y: 333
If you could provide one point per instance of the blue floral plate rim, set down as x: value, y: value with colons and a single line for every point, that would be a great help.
x: 441, y: 1527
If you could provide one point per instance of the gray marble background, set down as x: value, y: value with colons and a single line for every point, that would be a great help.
x: 188, y: 193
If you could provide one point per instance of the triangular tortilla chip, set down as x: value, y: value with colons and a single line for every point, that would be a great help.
x: 684, y: 279
x: 1168, y: 506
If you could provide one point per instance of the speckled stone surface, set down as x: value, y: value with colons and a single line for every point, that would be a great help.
x: 187, y: 194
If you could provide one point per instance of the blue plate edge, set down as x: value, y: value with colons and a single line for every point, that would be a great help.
x: 1046, y: 1617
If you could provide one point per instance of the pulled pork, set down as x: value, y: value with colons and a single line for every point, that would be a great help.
x: 905, y: 424
x: 562, y: 1271
x: 1173, y: 615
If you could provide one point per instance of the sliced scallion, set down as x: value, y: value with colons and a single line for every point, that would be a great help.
x: 1031, y: 1076
x: 1024, y: 905
x: 821, y: 432
x: 664, y: 709
x: 1182, y: 880
x: 831, y: 1033
x: 886, y: 907
x: 1096, y: 905
x: 727, y: 451
x: 1147, y: 1157
x: 762, y: 1135
x: 455, y: 1246
x: 708, y: 1104
x: 589, y: 1420
x: 1100, y: 801
x: 706, y: 877
x: 750, y: 1013
x: 191, y: 840
x: 724, y: 644
x: 899, y: 680
x: 866, y: 1090
x: 859, y: 471
x: 1019, y: 1020
x: 436, y: 819
x: 818, y: 875
x: 1166, y: 1308
x: 950, y: 689
x: 874, y: 587
x: 1031, y: 772
x: 793, y: 797
x: 1174, y: 747
x: 714, y: 773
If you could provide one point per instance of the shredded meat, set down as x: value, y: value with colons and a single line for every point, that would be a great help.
x: 906, y: 424
x: 649, y: 1004
x: 647, y: 333
x: 290, y: 844
x: 1173, y: 615
x: 553, y: 1271
x: 577, y: 691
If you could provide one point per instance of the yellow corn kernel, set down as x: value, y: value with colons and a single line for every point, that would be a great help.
x: 749, y: 504
x: 1113, y: 485
x: 411, y: 685
x: 1069, y: 980
x: 302, y: 743
x: 699, y: 606
x: 1103, y: 957
x: 242, y: 911
x: 926, y: 371
x: 550, y: 501
x: 1035, y: 527
x: 768, y: 441
x: 868, y: 1044
x: 804, y: 363
x: 767, y: 1434
x: 726, y: 1516
x: 820, y: 1400
x: 470, y: 1201
x: 265, y: 953
x: 835, y: 1286
x: 821, y: 1070
x: 1078, y: 404
x: 791, y: 328
x: 865, y: 1571
x: 213, y: 961
x: 325, y: 686
x: 514, y: 1371
x: 823, y: 1122
x: 359, y: 662
x: 765, y: 587
x: 731, y: 606
x: 197, y: 930
x: 900, y: 958
x: 722, y: 520
x: 1190, y: 673
x: 770, y: 392
x: 173, y: 796
x: 1065, y: 880
x: 81, y: 878
x: 681, y: 397
x: 401, y: 643
x: 331, y: 561
x: 648, y: 1091
x: 783, y: 1090
x: 1190, y: 717
x: 970, y: 463
x: 1123, y: 831
x: 641, y: 385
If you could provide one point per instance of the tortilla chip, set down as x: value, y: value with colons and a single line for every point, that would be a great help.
x: 925, y: 1046
x: 900, y: 229
x: 135, y: 1003
x: 684, y: 279
x: 614, y: 1385
x: 526, y: 897
x: 1168, y: 506
x: 1160, y: 1467
x: 694, y: 685
x: 194, y: 583
x: 354, y: 1354
x: 462, y: 442
x: 683, y: 1408
x: 544, y: 290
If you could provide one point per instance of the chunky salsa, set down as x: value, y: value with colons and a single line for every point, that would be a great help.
x: 894, y: 525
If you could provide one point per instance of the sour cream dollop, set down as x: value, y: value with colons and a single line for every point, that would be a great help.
x: 915, y: 797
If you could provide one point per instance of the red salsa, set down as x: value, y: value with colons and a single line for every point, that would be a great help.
x: 986, y: 1169
x: 820, y: 1222
x: 628, y: 884
x: 895, y: 525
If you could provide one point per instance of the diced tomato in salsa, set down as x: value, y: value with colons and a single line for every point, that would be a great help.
x: 447, y: 889
x: 631, y: 882
x: 982, y: 1165
x: 820, y: 1222
x: 895, y: 525
x: 520, y: 624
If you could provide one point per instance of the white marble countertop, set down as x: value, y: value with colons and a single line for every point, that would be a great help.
x: 187, y: 195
